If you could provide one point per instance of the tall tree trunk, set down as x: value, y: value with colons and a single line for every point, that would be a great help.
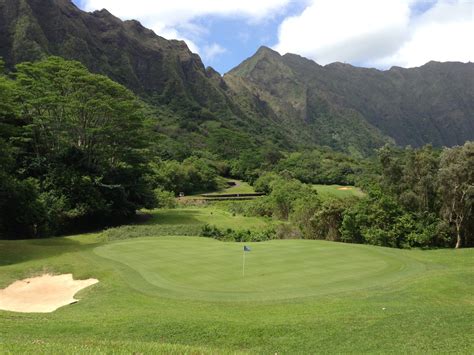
x: 458, y: 234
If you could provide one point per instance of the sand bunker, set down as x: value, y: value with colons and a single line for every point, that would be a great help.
x: 42, y: 294
x: 344, y: 188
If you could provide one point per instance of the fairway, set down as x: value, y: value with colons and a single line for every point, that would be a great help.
x: 205, y: 269
x: 338, y: 191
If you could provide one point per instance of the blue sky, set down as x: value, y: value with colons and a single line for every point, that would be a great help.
x: 374, y: 33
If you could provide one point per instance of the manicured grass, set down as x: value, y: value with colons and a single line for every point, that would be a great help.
x: 205, y: 269
x: 338, y: 191
x: 187, y: 295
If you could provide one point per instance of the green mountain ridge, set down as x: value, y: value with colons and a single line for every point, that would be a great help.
x: 275, y: 85
x: 285, y: 100
x: 433, y: 103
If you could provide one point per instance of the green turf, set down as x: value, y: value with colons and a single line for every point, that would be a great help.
x: 338, y: 191
x: 186, y: 295
x: 205, y: 269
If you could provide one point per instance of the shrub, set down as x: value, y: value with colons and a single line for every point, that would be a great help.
x: 165, y: 199
x: 230, y: 235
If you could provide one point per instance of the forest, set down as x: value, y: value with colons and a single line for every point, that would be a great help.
x: 80, y: 151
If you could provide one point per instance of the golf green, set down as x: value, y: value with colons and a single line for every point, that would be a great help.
x: 206, y: 269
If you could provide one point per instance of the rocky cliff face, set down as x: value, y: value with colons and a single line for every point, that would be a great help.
x: 124, y: 50
x: 430, y: 104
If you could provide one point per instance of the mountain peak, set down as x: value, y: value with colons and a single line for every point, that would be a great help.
x: 248, y: 65
x: 264, y: 50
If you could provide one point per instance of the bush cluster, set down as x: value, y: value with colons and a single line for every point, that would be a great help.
x: 231, y: 235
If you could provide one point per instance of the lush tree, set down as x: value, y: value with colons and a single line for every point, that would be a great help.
x: 190, y: 176
x: 410, y: 175
x: 456, y: 187
x: 264, y: 182
x: 327, y: 220
x: 80, y: 143
x: 320, y: 167
x: 303, y: 212
x: 285, y: 194
x: 227, y: 143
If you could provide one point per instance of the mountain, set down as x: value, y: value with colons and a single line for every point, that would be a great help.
x: 124, y: 50
x: 266, y: 80
x: 192, y: 102
x: 269, y: 99
x: 430, y: 104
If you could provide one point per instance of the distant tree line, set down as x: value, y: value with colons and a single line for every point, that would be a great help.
x: 420, y: 198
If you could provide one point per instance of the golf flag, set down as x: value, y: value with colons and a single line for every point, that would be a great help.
x: 246, y: 249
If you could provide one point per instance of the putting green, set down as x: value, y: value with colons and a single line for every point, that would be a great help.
x: 206, y: 269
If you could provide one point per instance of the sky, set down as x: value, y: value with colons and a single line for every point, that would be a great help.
x: 368, y: 33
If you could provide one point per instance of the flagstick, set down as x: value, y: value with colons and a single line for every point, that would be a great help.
x: 243, y: 265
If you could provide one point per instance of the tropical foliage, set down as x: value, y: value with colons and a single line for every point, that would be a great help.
x: 76, y: 149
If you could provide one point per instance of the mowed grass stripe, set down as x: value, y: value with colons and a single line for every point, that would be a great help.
x: 205, y: 269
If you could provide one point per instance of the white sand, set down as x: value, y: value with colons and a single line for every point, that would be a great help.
x: 345, y: 188
x: 42, y: 294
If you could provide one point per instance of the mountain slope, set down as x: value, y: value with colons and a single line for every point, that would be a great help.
x: 124, y: 50
x: 287, y: 100
x: 277, y: 87
x: 190, y: 100
x: 430, y: 104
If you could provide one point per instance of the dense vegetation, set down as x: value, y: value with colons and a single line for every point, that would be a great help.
x: 79, y: 150
x: 108, y: 142
x: 414, y: 198
x: 76, y: 150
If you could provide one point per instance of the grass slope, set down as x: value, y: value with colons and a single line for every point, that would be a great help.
x: 338, y: 191
x: 207, y: 215
x: 240, y: 187
x: 187, y: 221
x: 178, y: 295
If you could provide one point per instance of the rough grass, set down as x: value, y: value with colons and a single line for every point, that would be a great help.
x: 186, y: 221
x: 301, y: 297
x: 241, y: 187
x: 338, y: 191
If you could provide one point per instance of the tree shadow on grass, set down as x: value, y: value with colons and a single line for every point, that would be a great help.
x: 146, y: 224
x: 19, y: 251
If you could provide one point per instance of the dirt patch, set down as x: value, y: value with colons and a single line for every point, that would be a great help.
x: 345, y: 188
x: 42, y: 294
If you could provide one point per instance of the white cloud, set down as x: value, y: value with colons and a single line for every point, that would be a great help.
x: 444, y: 33
x: 210, y: 52
x: 175, y: 19
x: 377, y: 33
x: 380, y: 33
x: 179, y: 11
x: 172, y: 33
